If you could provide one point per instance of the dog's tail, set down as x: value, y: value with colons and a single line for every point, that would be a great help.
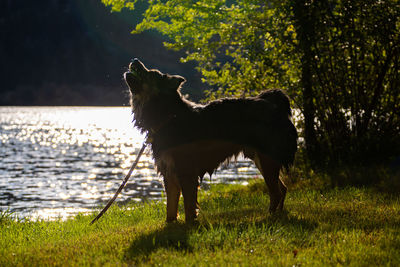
x: 278, y: 98
x: 287, y: 134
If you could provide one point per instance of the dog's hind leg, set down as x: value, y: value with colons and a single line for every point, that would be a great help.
x: 270, y: 171
x: 189, y: 192
x: 283, y: 189
x: 173, y: 192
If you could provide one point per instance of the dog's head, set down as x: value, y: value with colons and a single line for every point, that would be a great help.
x: 145, y: 84
x: 153, y: 95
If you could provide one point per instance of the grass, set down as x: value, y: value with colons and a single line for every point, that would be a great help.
x: 328, y: 227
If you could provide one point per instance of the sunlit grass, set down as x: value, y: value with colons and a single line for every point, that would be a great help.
x: 352, y: 226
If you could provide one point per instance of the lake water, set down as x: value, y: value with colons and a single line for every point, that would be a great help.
x: 58, y: 161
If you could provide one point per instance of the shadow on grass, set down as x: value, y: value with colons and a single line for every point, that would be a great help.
x: 175, y: 236
x: 171, y: 236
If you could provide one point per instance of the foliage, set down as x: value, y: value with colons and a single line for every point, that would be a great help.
x: 339, y: 60
x: 241, y: 47
x: 118, y: 5
x: 351, y: 69
x: 321, y: 228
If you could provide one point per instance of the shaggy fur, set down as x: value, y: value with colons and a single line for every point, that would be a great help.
x: 189, y: 140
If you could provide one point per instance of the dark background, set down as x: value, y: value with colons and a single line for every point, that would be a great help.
x: 74, y: 52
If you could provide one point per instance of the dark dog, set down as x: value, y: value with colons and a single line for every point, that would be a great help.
x: 189, y: 140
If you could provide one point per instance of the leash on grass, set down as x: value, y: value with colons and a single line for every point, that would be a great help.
x: 128, y: 175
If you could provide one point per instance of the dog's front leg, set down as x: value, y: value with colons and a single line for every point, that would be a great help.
x: 189, y: 191
x: 173, y: 192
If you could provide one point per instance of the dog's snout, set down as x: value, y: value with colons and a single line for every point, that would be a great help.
x: 136, y: 65
x: 131, y: 66
x: 134, y: 61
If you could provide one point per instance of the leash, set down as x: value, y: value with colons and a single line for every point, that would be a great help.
x: 128, y: 175
x: 148, y: 140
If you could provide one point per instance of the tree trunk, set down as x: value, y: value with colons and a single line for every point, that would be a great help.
x: 304, y: 27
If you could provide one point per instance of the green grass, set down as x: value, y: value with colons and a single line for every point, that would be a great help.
x: 329, y: 227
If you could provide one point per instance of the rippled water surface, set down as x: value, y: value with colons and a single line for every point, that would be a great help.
x: 58, y: 161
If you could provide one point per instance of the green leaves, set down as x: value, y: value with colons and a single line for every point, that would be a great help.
x: 118, y: 5
x: 349, y: 48
x: 237, y: 45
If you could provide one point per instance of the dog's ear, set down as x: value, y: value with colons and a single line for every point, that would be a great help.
x: 177, y: 80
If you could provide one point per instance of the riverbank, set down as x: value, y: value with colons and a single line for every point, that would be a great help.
x: 321, y: 227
